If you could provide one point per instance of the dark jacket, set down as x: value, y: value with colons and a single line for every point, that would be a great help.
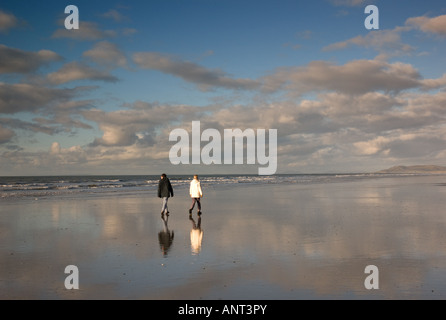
x: 165, y: 189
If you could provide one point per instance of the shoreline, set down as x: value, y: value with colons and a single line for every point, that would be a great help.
x: 149, y: 187
x: 272, y: 241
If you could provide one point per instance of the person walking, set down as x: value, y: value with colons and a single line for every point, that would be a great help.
x: 165, y: 191
x: 196, y: 194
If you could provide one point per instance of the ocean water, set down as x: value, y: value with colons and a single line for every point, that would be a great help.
x: 47, y: 186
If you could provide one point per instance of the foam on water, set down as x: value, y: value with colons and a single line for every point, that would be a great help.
x: 11, y: 187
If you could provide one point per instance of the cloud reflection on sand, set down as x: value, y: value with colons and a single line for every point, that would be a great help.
x: 262, y: 242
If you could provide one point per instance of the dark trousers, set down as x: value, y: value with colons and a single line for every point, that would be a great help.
x: 196, y: 200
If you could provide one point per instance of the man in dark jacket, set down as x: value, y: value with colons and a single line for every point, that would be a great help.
x: 165, y: 191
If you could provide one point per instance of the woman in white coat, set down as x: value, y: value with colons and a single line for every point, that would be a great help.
x: 196, y: 194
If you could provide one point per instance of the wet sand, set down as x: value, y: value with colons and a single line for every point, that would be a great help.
x: 257, y: 242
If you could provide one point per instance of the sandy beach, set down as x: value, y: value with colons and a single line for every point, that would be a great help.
x: 253, y: 242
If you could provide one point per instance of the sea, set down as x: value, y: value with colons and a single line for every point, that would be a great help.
x: 49, y: 186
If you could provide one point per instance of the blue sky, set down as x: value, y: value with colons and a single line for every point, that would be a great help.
x: 103, y: 99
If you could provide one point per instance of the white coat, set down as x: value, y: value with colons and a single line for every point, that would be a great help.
x: 195, y: 189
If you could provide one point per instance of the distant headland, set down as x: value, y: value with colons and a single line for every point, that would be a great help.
x: 415, y: 169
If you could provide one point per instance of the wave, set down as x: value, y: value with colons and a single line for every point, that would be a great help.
x: 11, y: 187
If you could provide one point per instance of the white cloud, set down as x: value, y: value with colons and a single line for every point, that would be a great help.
x: 58, y: 156
x: 399, y: 144
x: 16, y: 124
x: 5, y: 135
x: 55, y: 148
x: 436, y: 25
x: 383, y: 41
x: 7, y: 21
x: 79, y: 71
x: 19, y: 61
x: 389, y: 42
x: 140, y: 123
x: 429, y: 84
x: 115, y: 15
x: 361, y: 112
x: 348, y: 3
x: 354, y: 77
x: 371, y: 147
x: 88, y: 31
x: 23, y: 97
x: 106, y: 53
x: 205, y: 78
x: 335, y: 130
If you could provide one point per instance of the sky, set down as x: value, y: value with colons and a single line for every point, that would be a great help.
x: 104, y: 98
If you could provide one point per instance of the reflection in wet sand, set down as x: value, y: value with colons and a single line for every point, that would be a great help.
x: 165, y: 236
x: 196, y: 235
x: 263, y: 242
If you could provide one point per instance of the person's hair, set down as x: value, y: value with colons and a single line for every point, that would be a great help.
x: 195, y: 176
x: 163, y: 175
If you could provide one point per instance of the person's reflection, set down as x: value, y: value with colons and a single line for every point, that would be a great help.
x: 165, y: 236
x: 196, y: 235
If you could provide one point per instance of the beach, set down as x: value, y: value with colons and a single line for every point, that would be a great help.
x: 257, y: 242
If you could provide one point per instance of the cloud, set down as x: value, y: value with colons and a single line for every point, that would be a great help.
x: 205, y: 78
x: 60, y: 119
x: 375, y: 112
x: 21, y: 97
x: 72, y: 155
x: 388, y: 127
x: 365, y: 114
x: 17, y: 124
x: 373, y: 146
x: 436, y: 25
x: 62, y: 122
x: 139, y: 124
x: 334, y: 129
x: 128, y: 31
x: 16, y: 98
x: 79, y: 71
x: 306, y: 34
x: 404, y: 145
x: 77, y: 159
x: 389, y: 41
x: 417, y: 146
x: 348, y: 3
x: 115, y: 15
x: 18, y: 61
x: 7, y: 21
x: 361, y: 112
x: 59, y: 156
x: 5, y: 135
x: 385, y: 41
x: 354, y: 77
x: 337, y: 128
x: 429, y: 84
x: 88, y: 31
x: 106, y: 53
